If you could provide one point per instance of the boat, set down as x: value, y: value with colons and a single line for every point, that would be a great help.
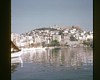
x: 15, y: 51
x: 16, y: 54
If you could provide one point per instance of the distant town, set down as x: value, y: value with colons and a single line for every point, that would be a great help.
x: 72, y: 36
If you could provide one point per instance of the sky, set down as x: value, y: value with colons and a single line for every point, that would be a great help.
x: 27, y: 15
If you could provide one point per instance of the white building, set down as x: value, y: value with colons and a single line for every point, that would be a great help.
x: 57, y: 37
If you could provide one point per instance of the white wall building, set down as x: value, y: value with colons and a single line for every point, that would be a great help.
x: 57, y: 37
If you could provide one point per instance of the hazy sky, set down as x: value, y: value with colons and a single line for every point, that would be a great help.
x: 29, y: 14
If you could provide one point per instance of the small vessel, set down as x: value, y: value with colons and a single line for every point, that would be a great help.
x: 16, y: 54
x: 15, y: 51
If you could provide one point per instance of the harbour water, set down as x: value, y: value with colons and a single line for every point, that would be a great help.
x: 55, y: 64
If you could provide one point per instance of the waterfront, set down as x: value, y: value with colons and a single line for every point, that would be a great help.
x: 55, y: 64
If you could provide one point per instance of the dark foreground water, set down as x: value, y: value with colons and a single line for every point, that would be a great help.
x: 55, y: 64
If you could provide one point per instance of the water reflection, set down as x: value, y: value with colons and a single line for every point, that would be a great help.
x: 14, y: 66
x: 67, y: 57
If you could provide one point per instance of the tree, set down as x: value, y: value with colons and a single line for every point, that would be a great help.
x: 43, y: 44
x: 60, y: 32
x: 72, y: 38
x: 55, y: 43
x: 91, y: 44
x: 88, y: 43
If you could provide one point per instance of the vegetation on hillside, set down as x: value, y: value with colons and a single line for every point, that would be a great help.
x: 54, y: 43
x: 88, y: 43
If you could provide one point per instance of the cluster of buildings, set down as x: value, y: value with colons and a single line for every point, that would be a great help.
x: 40, y: 37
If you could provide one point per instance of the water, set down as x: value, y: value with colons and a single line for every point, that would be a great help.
x: 55, y: 64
